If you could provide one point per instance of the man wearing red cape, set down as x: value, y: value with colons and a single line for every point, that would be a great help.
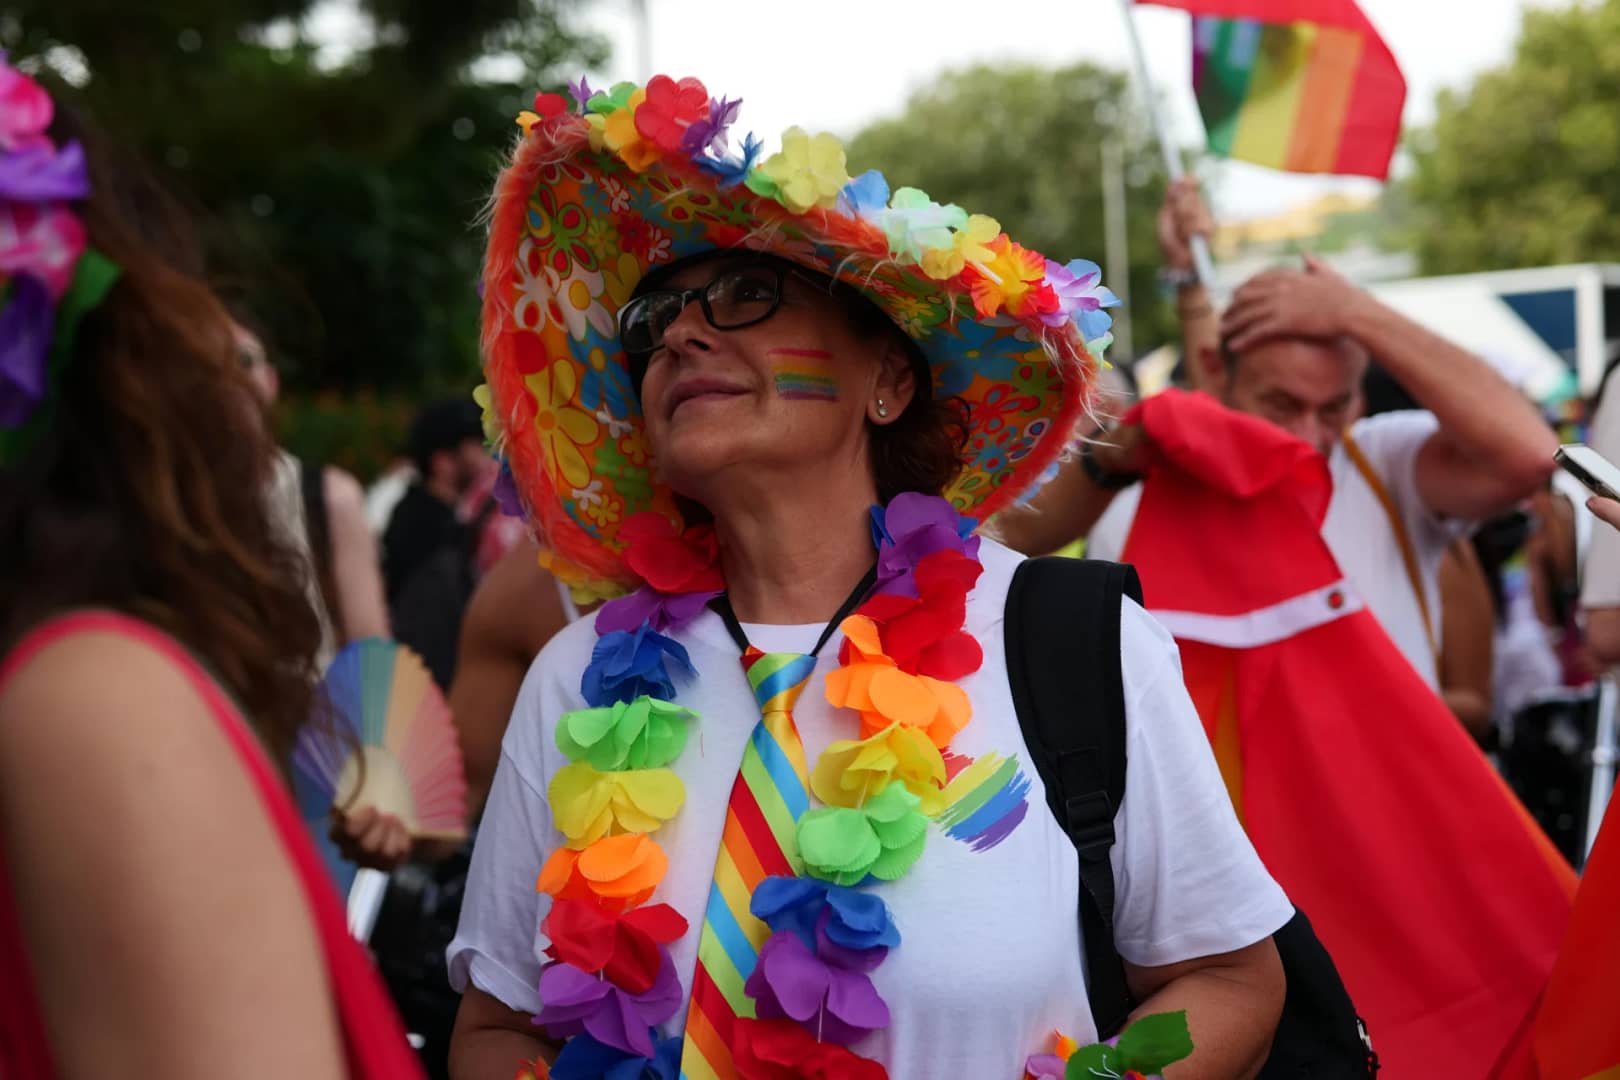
x: 1442, y: 903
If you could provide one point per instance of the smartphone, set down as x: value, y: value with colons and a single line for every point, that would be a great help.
x: 1591, y: 468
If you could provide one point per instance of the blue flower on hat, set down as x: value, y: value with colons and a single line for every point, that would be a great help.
x: 734, y: 170
x: 1082, y: 296
x: 865, y: 196
x: 627, y: 664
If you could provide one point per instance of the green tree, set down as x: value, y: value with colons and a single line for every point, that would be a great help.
x: 338, y: 191
x: 1523, y: 167
x: 1023, y: 144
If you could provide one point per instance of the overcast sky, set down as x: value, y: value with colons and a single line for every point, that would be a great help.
x: 836, y: 65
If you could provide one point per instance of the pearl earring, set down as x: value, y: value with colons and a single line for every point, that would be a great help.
x: 882, y: 409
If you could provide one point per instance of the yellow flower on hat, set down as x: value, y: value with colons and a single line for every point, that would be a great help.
x: 970, y: 243
x: 562, y: 426
x: 850, y: 772
x: 486, y: 402
x: 810, y: 170
x: 621, y: 135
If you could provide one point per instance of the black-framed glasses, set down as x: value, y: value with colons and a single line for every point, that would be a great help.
x: 736, y: 297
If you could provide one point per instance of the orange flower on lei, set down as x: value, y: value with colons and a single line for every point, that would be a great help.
x: 874, y: 686
x: 619, y: 872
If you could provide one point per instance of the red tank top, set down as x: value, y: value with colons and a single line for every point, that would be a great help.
x: 374, y: 1040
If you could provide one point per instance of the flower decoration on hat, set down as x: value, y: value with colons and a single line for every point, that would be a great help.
x: 658, y: 176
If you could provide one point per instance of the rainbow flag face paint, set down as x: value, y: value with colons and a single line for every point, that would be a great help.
x: 803, y: 374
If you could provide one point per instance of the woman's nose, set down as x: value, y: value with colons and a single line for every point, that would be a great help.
x: 690, y: 329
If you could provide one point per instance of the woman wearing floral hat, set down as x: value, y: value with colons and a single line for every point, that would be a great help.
x: 769, y: 813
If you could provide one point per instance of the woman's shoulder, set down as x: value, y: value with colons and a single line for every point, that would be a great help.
x: 103, y: 683
x: 550, y: 688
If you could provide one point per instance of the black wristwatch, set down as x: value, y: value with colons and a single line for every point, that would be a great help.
x: 1108, y: 481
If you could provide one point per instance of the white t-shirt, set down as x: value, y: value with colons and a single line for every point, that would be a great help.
x: 990, y: 959
x: 1358, y: 531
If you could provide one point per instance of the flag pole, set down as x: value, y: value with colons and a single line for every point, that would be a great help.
x: 1172, y: 160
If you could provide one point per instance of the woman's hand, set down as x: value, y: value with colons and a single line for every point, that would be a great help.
x: 370, y: 838
x: 1607, y: 509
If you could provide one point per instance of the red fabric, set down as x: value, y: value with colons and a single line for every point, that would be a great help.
x: 1362, y: 794
x: 1573, y: 1033
x: 374, y: 1041
x: 1372, y: 121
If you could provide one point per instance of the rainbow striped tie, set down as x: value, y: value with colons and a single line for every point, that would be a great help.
x: 770, y: 793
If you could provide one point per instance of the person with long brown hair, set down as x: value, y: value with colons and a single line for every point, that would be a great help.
x: 161, y: 912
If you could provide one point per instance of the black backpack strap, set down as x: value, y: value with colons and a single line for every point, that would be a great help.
x: 1063, y: 666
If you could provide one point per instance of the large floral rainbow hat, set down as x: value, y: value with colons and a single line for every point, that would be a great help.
x: 634, y: 178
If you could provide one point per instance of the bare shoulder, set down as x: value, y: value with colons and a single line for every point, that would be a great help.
x: 516, y: 608
x: 101, y: 683
x: 101, y: 723
x: 141, y: 853
x: 343, y: 492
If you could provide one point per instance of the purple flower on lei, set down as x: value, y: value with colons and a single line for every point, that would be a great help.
x: 580, y: 1003
x: 733, y: 171
x: 1081, y: 297
x: 1040, y: 1066
x: 584, y: 1058
x: 661, y: 612
x: 912, y: 527
x: 708, y: 136
x: 836, y: 1004
x: 627, y: 664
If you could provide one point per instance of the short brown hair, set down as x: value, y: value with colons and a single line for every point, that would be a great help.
x: 922, y: 449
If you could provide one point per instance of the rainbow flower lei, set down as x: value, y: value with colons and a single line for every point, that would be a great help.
x: 611, y: 981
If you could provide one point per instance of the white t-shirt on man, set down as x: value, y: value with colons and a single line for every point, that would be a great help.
x: 989, y: 963
x: 1358, y: 530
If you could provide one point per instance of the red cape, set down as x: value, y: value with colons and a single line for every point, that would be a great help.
x: 1442, y: 903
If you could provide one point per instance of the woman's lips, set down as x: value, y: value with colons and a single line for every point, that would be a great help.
x: 702, y: 389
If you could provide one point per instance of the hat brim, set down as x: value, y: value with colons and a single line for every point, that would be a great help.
x: 573, y: 231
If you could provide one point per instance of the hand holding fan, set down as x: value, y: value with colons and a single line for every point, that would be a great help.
x: 382, y: 737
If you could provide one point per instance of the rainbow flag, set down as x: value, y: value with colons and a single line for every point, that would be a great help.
x: 1299, y: 85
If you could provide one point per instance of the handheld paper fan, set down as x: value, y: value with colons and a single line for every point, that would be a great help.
x: 382, y: 736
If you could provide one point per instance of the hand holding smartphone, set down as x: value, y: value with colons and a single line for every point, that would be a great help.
x: 1595, y: 472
